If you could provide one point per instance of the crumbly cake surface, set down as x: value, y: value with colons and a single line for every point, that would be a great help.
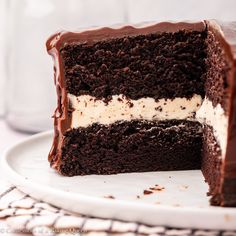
x: 153, y: 65
x: 134, y: 146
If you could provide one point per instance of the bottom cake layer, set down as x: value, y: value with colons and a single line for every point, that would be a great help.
x: 135, y: 146
x: 222, y: 190
x: 211, y: 164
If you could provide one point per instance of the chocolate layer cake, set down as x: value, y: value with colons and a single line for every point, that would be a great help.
x: 151, y: 98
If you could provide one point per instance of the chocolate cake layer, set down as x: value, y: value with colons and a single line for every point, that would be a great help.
x: 135, y: 146
x: 218, y: 67
x: 165, y: 65
x: 212, y: 161
x: 224, y: 195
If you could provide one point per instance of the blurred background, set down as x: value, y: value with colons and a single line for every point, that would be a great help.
x: 27, y: 93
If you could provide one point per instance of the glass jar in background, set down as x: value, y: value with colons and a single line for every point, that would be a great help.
x: 31, y: 96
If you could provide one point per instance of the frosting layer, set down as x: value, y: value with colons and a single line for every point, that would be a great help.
x: 89, y: 110
x: 216, y: 118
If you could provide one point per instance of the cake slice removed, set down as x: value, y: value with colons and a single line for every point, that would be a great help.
x: 150, y: 98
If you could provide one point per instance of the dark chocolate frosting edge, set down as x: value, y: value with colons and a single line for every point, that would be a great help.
x: 58, y: 39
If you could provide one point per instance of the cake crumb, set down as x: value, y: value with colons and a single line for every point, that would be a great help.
x: 157, y: 188
x: 146, y: 192
x: 138, y: 197
x: 130, y: 104
x: 159, y: 108
x: 110, y: 197
x: 158, y: 203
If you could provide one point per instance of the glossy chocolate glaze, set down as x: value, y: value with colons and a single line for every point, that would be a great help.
x: 224, y: 32
x: 90, y: 36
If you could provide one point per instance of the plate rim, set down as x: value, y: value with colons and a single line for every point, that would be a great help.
x: 21, y: 182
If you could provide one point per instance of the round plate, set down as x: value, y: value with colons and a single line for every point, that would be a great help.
x: 176, y: 198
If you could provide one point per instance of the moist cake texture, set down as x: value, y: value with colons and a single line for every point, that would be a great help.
x: 133, y: 146
x: 149, y: 98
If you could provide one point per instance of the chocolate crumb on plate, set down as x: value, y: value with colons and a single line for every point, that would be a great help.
x: 157, y: 188
x: 147, y: 192
x: 110, y: 197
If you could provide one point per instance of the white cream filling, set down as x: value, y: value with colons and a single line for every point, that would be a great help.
x: 216, y: 118
x: 89, y: 110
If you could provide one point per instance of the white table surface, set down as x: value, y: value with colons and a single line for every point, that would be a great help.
x: 7, y: 138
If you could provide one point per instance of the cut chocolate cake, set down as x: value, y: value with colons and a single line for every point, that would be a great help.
x: 151, y: 98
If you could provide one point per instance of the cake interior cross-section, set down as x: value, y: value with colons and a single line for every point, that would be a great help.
x: 156, y: 97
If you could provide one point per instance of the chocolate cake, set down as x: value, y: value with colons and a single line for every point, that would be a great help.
x: 154, y: 97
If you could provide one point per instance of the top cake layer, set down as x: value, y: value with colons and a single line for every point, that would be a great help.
x: 139, y: 64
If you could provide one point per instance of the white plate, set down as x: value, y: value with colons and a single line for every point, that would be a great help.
x: 182, y: 202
